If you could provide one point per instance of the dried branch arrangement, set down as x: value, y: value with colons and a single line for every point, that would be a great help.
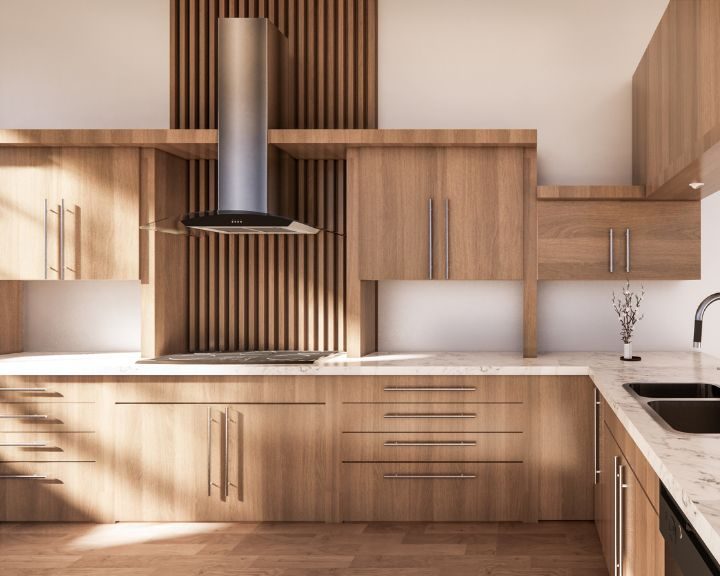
x: 626, y: 306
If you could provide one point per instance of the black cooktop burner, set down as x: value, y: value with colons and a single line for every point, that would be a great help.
x: 254, y: 357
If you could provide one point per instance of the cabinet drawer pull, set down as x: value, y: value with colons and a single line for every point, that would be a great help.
x: 392, y: 443
x: 612, y: 251
x: 391, y: 415
x: 62, y: 239
x: 429, y: 476
x: 22, y: 477
x: 23, y: 389
x: 45, y: 232
x: 447, y: 239
x: 628, y: 268
x: 430, y: 389
x: 209, y: 450
x: 227, y: 451
x: 24, y: 416
x: 23, y: 444
x: 430, y: 239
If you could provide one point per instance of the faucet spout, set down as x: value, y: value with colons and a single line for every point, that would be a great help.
x: 697, y: 339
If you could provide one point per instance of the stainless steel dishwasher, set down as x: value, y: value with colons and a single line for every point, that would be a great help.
x: 685, y: 552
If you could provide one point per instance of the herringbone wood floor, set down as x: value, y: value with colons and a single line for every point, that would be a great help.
x: 438, y: 549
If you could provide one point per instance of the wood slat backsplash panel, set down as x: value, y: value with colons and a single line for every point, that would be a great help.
x: 276, y: 292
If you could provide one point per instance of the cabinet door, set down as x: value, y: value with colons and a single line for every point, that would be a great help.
x: 395, y: 187
x: 605, y: 513
x: 574, y: 241
x: 276, y: 462
x: 29, y: 228
x: 566, y: 473
x: 168, y: 463
x: 481, y: 210
x: 101, y: 191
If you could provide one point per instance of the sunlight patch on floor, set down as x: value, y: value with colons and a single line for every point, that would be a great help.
x: 124, y: 534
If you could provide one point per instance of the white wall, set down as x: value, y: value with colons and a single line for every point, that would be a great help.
x: 565, y: 68
x: 84, y: 64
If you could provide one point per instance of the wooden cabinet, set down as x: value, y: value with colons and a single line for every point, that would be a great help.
x: 440, y: 213
x: 628, y: 524
x: 565, y: 444
x: 605, y: 240
x: 192, y: 462
x: 70, y: 213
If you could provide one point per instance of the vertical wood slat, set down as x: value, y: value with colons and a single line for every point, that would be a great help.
x: 278, y: 292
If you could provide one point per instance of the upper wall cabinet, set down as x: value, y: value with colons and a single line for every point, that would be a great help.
x: 441, y: 213
x: 607, y: 240
x: 69, y: 213
x: 676, y: 104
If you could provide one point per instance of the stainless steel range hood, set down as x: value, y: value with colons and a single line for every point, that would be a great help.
x: 253, y: 96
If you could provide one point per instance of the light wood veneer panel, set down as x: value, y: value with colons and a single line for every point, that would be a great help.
x: 11, y: 317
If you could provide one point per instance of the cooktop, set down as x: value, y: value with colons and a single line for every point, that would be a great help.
x: 251, y: 357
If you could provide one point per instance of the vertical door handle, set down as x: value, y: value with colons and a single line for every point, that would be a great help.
x: 612, y: 251
x: 621, y: 515
x: 596, y: 439
x: 227, y: 451
x: 616, y: 484
x: 62, y: 239
x: 45, y: 231
x: 628, y: 268
x: 430, y: 239
x: 447, y: 239
x: 209, y: 450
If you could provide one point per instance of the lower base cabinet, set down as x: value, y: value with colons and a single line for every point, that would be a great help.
x: 236, y: 462
x: 628, y: 524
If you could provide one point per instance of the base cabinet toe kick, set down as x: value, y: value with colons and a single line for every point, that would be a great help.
x: 328, y: 449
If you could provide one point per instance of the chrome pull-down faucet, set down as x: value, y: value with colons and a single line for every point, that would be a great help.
x: 697, y: 339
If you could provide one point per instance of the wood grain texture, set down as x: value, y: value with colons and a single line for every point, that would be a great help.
x: 334, y: 144
x: 304, y: 549
x: 164, y: 269
x: 565, y: 448
x: 530, y: 254
x: 574, y: 240
x: 11, y: 317
x: 590, y: 192
x: 289, y: 293
x: 676, y: 104
x: 183, y: 143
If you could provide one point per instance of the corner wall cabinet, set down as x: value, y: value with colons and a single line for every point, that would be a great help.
x: 433, y: 213
x: 70, y: 213
x: 606, y: 240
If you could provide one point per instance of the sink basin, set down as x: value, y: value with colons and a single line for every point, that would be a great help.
x: 681, y: 390
x: 692, y: 416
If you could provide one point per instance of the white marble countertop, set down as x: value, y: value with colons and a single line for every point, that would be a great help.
x: 688, y: 464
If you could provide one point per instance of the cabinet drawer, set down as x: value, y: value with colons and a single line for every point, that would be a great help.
x: 44, y: 417
x: 436, y: 389
x: 448, y: 492
x: 433, y: 447
x: 48, y: 447
x: 48, y: 491
x: 434, y: 417
x: 17, y: 389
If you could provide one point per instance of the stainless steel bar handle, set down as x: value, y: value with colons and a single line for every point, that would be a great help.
x: 429, y: 476
x: 24, y: 416
x: 62, y: 239
x: 23, y: 477
x: 23, y: 444
x: 430, y: 239
x: 394, y: 443
x: 430, y: 416
x: 209, y: 450
x: 628, y: 268
x: 612, y: 251
x: 227, y: 451
x: 621, y: 515
x: 45, y: 229
x: 447, y: 239
x: 23, y: 389
x: 429, y: 389
x: 616, y: 484
x: 596, y: 438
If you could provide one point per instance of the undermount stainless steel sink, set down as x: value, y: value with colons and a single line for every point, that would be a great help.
x: 674, y: 390
x: 691, y: 416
